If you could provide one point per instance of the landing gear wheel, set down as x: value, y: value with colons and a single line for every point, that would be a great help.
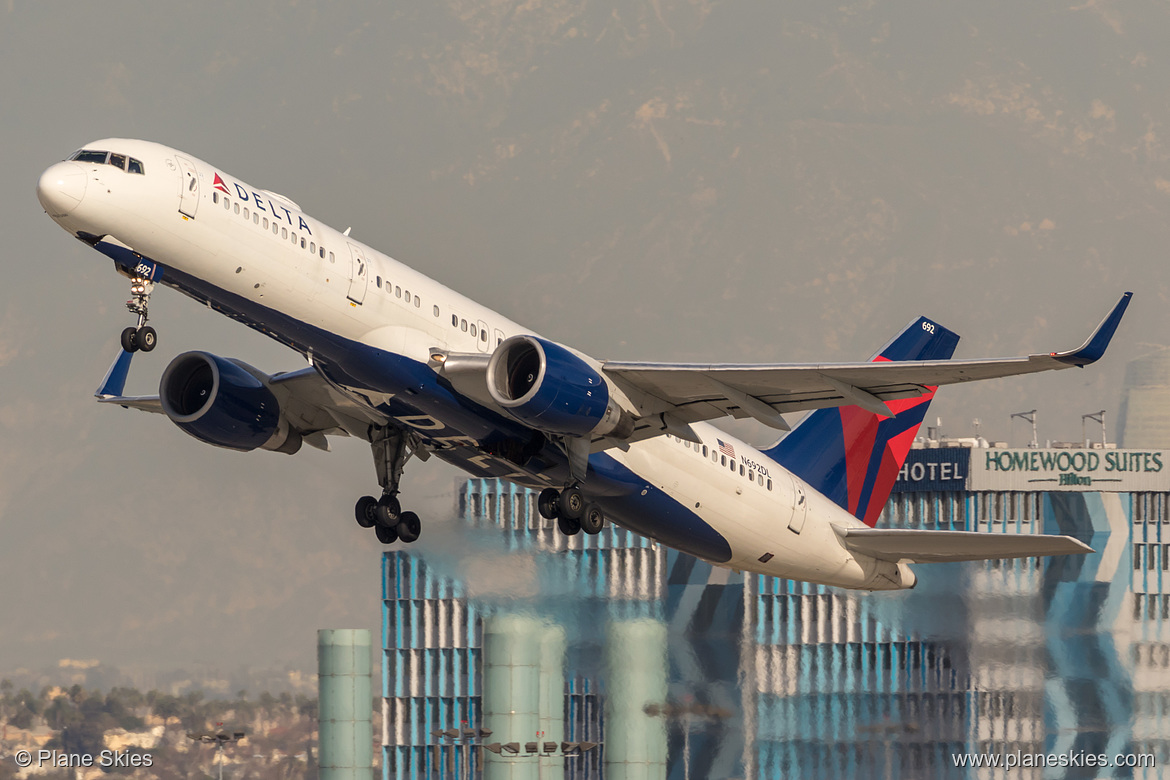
x: 568, y: 526
x: 593, y: 520
x: 146, y: 338
x: 130, y: 339
x: 386, y: 535
x: 546, y: 503
x: 571, y: 504
x: 388, y: 511
x: 409, y: 527
x: 364, y: 511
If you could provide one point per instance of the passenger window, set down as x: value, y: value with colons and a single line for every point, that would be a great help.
x: 322, y: 253
x: 760, y: 479
x: 256, y: 218
x: 237, y: 208
x: 454, y: 321
x: 436, y: 311
x: 731, y: 465
x: 417, y: 302
x: 284, y: 232
x: 473, y: 330
x: 275, y: 229
x: 313, y: 247
x: 398, y: 292
x: 226, y: 205
x: 215, y: 197
x: 245, y: 212
x: 135, y: 166
x: 302, y: 242
x: 378, y: 279
x: 406, y: 295
x: 722, y: 460
x: 483, y: 336
x: 741, y: 469
x: 331, y: 257
x: 463, y: 325
x: 266, y: 223
x: 769, y: 484
x: 294, y: 238
x: 704, y: 450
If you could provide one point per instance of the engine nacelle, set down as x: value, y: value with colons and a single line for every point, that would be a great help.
x: 549, y: 388
x: 225, y: 403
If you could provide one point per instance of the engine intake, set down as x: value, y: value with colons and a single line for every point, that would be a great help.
x: 549, y: 388
x: 226, y: 403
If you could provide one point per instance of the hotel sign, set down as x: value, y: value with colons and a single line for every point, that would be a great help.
x: 1111, y: 471
x: 938, y: 469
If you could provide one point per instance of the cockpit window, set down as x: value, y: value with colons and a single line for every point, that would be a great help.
x: 90, y: 156
x: 120, y: 161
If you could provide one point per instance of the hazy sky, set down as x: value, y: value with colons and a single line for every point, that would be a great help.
x: 741, y: 181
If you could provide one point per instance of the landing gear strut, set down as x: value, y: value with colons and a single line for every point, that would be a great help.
x: 142, y: 336
x: 392, y: 449
x: 571, y: 510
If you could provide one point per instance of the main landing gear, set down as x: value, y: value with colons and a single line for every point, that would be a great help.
x: 142, y: 336
x: 571, y: 510
x: 391, y: 452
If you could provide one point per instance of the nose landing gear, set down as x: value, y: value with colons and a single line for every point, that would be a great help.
x: 571, y: 510
x: 142, y: 336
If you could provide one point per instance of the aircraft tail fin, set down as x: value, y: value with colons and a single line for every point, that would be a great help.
x: 852, y: 455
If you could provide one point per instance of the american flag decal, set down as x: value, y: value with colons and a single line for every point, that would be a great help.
x: 726, y: 448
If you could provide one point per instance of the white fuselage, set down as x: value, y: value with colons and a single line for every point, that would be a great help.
x: 240, y: 248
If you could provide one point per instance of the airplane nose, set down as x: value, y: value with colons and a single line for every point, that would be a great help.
x: 61, y: 188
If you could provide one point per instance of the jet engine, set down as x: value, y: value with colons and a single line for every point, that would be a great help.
x: 226, y: 403
x: 552, y: 389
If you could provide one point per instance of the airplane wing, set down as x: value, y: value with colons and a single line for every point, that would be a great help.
x: 918, y: 546
x: 685, y: 393
x: 312, y: 406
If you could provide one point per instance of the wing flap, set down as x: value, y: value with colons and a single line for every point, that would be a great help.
x: 924, y: 546
x: 146, y: 403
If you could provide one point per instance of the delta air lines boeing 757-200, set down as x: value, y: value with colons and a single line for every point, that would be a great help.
x: 416, y: 369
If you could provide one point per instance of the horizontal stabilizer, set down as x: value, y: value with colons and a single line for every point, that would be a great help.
x: 917, y: 546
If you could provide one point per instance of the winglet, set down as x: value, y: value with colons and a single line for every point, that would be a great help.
x: 114, y: 382
x: 1092, y: 350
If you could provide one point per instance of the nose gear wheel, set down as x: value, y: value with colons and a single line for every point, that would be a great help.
x: 141, y: 336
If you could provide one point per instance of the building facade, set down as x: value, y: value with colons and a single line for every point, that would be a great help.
x: 683, y: 670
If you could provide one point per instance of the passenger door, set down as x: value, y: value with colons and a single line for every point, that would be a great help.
x: 483, y: 340
x: 359, y: 274
x: 189, y: 197
x: 799, y: 506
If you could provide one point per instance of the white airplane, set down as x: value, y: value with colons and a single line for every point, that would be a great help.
x: 417, y: 369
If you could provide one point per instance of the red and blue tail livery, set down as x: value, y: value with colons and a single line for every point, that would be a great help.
x: 853, y: 455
